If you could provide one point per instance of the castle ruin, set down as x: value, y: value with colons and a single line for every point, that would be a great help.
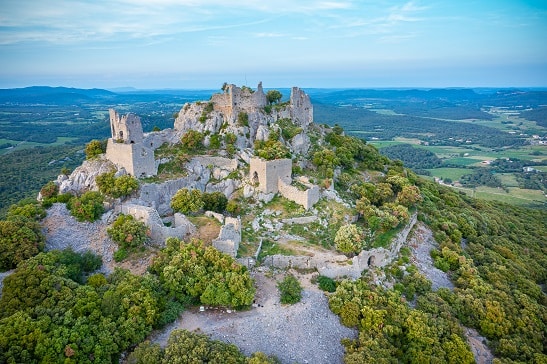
x: 126, y: 148
x: 276, y: 176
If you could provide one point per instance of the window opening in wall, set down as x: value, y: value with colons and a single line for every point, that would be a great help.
x: 255, y: 178
x: 121, y: 134
x: 371, y: 261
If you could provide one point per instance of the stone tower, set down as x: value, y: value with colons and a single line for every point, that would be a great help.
x: 126, y: 149
x: 125, y: 129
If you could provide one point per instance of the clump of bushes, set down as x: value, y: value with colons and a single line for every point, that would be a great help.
x: 290, y: 290
x: 88, y: 207
x: 129, y: 234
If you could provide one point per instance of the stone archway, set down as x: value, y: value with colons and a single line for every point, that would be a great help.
x: 371, y: 261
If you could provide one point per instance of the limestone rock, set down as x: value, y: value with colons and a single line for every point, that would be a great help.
x: 83, y: 178
x: 300, y: 144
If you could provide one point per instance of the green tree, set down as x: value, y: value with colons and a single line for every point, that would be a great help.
x: 128, y: 233
x: 349, y: 239
x: 94, y: 148
x: 88, y: 207
x: 214, y: 201
x: 187, y: 201
x: 290, y: 290
x: 273, y: 96
x: 192, y: 269
x: 20, y: 239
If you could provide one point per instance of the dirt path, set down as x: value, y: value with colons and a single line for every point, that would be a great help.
x: 306, y: 332
x: 421, y: 243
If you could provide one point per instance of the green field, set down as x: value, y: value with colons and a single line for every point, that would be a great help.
x: 19, y: 145
x: 453, y: 173
x: 515, y: 196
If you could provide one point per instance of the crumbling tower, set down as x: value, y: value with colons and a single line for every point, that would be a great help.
x: 126, y: 148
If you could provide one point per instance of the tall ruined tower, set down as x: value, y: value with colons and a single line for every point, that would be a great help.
x: 127, y: 128
x: 126, y: 148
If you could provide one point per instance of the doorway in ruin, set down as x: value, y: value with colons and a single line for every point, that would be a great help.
x: 255, y: 180
x: 371, y: 261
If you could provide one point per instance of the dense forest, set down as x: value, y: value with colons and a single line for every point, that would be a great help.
x: 415, y: 158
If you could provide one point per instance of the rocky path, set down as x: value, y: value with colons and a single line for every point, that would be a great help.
x: 421, y: 244
x: 306, y: 332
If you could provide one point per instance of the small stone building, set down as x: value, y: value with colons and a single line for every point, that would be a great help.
x: 276, y: 176
x: 126, y: 148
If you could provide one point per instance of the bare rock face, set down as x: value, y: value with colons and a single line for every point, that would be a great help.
x: 300, y: 144
x: 83, y: 178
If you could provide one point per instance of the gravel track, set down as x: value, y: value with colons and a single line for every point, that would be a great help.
x: 306, y: 332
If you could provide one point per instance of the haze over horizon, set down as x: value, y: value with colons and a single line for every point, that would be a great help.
x: 157, y: 44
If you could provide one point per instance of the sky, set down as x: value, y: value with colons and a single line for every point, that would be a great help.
x: 200, y: 44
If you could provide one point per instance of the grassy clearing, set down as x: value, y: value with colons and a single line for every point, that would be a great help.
x: 508, y: 179
x: 453, y: 173
x: 515, y: 196
x: 272, y: 248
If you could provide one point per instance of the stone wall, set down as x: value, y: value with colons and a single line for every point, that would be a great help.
x: 306, y: 198
x: 229, y: 237
x: 268, y: 173
x: 234, y: 100
x: 136, y: 159
x: 340, y: 266
x: 126, y: 148
x: 181, y: 228
x: 127, y: 128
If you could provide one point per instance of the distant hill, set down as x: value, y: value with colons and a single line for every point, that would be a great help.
x: 52, y: 95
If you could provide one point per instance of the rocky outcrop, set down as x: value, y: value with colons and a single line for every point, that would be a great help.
x: 221, y: 115
x: 83, y: 178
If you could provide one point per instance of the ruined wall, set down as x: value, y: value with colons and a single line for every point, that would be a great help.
x: 229, y: 237
x: 235, y: 100
x: 340, y: 266
x: 158, y: 231
x: 301, y: 107
x: 136, y: 159
x: 306, y: 198
x: 127, y: 128
x: 267, y: 173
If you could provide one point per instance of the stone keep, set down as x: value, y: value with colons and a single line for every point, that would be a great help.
x: 267, y: 173
x: 126, y: 148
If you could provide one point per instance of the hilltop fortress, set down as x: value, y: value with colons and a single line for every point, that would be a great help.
x: 131, y: 151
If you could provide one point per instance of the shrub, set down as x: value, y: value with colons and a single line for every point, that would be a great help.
x: 233, y: 207
x: 187, y: 201
x: 349, y: 239
x: 192, y: 140
x: 214, y: 201
x: 95, y: 148
x: 116, y: 186
x: 28, y: 208
x: 290, y: 290
x: 88, y: 207
x: 128, y: 233
x: 326, y: 284
x: 49, y: 190
x: 243, y: 119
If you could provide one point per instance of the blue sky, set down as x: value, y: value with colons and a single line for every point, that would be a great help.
x: 203, y: 43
